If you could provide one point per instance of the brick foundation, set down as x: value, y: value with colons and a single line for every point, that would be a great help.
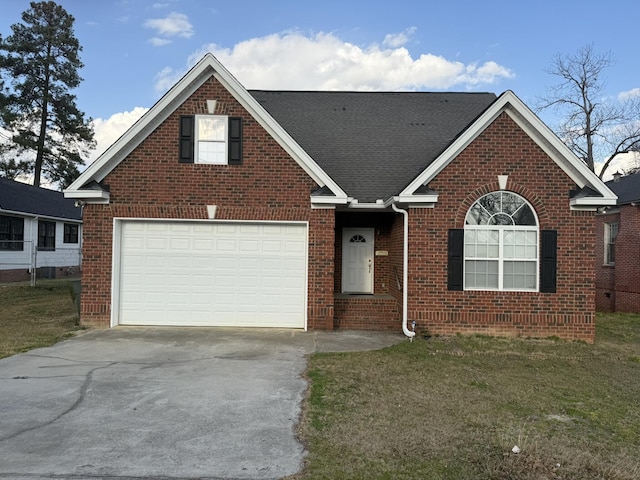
x: 367, y: 312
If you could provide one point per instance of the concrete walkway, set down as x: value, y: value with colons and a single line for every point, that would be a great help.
x: 168, y: 403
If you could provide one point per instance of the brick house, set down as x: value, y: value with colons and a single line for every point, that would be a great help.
x: 40, y: 233
x: 617, y: 258
x: 355, y: 210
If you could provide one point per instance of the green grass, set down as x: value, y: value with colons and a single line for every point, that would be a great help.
x: 442, y: 408
x: 34, y: 317
x: 454, y: 407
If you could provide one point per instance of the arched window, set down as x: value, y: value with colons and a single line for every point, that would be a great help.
x: 501, y: 239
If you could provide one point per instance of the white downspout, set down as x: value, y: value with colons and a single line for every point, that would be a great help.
x: 405, y: 272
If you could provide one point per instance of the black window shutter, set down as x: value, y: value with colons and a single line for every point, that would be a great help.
x: 186, y: 138
x: 456, y: 259
x: 548, y: 261
x: 235, y: 141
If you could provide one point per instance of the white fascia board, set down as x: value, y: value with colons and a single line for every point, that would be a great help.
x: 327, y: 200
x: 367, y: 206
x: 534, y: 127
x: 416, y: 198
x: 88, y: 195
x: 593, y: 202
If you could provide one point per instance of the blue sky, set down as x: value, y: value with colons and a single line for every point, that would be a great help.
x: 134, y: 50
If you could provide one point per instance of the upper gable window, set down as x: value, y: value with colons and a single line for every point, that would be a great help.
x: 210, y: 139
x: 501, y: 244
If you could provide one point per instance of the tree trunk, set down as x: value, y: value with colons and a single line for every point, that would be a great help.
x: 37, y: 171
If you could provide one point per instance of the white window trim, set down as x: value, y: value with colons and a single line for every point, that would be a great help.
x: 500, y: 259
x: 196, y: 140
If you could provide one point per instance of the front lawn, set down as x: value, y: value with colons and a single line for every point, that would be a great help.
x: 35, y: 317
x: 455, y: 407
x: 442, y: 408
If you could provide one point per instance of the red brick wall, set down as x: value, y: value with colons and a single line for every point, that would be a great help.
x: 150, y: 183
x: 503, y: 149
x: 618, y: 286
x: 366, y: 312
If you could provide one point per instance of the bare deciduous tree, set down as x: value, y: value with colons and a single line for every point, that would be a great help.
x: 596, y: 127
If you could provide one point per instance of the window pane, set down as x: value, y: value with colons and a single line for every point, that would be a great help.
x: 477, y: 215
x: 211, y: 152
x: 492, y: 202
x: 212, y: 129
x: 501, y: 219
x: 524, y: 216
x: 511, y: 203
x: 470, y: 243
x: 520, y: 244
x: 519, y: 275
x: 481, y: 243
x: 481, y: 274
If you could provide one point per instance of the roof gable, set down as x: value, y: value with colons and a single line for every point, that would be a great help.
x: 510, y: 104
x: 208, y: 66
x: 20, y: 198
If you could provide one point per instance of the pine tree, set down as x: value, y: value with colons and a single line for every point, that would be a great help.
x: 40, y: 62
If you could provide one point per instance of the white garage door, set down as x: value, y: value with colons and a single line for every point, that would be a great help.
x: 212, y: 274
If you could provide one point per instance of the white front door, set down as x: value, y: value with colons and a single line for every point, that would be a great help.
x: 357, y: 260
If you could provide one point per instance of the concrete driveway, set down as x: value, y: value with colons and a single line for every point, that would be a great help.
x: 162, y: 403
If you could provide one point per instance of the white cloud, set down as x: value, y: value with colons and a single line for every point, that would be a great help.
x: 323, y: 61
x: 395, y: 40
x: 174, y: 24
x: 629, y: 94
x: 108, y: 131
x: 291, y: 60
x: 623, y: 163
x: 159, y: 42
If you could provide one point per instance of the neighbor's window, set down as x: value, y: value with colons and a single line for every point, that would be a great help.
x: 501, y: 244
x: 70, y: 233
x: 11, y: 233
x: 211, y: 139
x: 610, y: 235
x: 46, y: 235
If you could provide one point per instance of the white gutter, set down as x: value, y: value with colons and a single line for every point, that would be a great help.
x: 405, y: 272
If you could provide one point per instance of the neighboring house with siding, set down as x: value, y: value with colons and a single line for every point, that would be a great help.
x: 40, y: 233
x: 461, y: 212
x: 617, y: 256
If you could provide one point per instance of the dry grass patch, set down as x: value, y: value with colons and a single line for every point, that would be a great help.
x: 34, y: 317
x: 454, y: 407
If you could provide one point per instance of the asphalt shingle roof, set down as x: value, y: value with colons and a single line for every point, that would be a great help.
x: 373, y: 143
x: 627, y: 188
x: 20, y: 197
